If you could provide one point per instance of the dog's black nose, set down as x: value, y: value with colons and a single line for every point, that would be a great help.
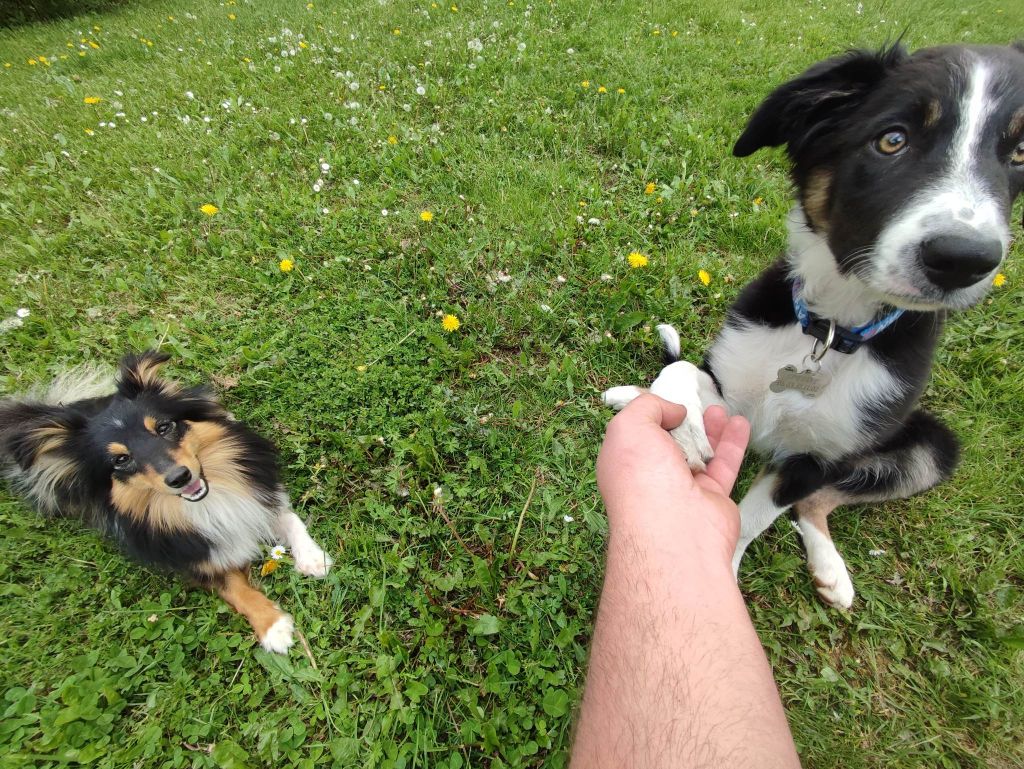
x: 954, y: 261
x: 178, y: 477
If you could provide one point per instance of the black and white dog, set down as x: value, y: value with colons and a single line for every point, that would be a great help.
x: 906, y: 169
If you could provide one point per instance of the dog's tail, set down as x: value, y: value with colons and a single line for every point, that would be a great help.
x: 670, y: 341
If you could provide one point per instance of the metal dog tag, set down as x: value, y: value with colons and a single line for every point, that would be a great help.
x: 808, y: 382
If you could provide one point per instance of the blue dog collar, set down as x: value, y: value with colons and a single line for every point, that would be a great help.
x: 845, y: 340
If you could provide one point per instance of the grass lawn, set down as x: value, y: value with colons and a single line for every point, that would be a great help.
x: 451, y: 474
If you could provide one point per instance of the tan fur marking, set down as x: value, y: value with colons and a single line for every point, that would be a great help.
x: 932, y: 114
x: 815, y: 509
x: 219, y: 456
x: 147, y: 372
x: 150, y: 424
x: 139, y: 497
x: 1017, y: 124
x: 116, y: 448
x: 250, y: 602
x: 815, y: 198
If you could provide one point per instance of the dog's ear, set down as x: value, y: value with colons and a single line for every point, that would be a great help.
x: 802, y: 108
x: 31, y: 432
x: 140, y: 372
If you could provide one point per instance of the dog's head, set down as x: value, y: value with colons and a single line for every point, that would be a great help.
x: 143, y: 443
x: 907, y: 164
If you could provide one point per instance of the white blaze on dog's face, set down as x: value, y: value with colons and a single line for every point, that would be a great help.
x: 908, y: 166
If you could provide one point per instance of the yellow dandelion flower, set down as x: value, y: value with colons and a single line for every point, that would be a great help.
x: 675, y: 33
x: 396, y: 31
x: 361, y: 368
x: 704, y: 276
x: 602, y: 89
x: 94, y: 45
x: 585, y: 84
x: 309, y: 6
x: 758, y: 201
x: 303, y: 44
x: 392, y: 140
x: 32, y: 62
x: 649, y: 189
x: 426, y: 216
x: 637, y: 260
x: 89, y: 132
x: 656, y: 32
x: 694, y: 212
x: 450, y: 323
x: 232, y: 16
x: 620, y: 90
x: 7, y: 65
x: 999, y: 280
x: 455, y: 9
x: 209, y: 209
x: 286, y: 265
x: 92, y: 100
x: 269, y: 567
x: 81, y: 53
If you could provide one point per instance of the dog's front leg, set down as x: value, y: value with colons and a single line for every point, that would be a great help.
x: 309, y: 557
x: 683, y: 383
x: 273, y: 627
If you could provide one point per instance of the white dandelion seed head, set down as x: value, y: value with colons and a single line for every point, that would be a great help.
x: 189, y: 95
x: 568, y: 518
x: 325, y: 167
x: 560, y: 279
x: 328, y: 117
x: 545, y: 308
x: 593, y: 221
x: 420, y: 90
x: 521, y: 47
x: 438, y: 491
x: 383, y: 212
x: 23, y: 312
x: 475, y: 45
x: 317, y: 187
x: 353, y: 86
x: 605, y: 276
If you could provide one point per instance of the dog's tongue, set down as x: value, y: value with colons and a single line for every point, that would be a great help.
x: 193, y: 488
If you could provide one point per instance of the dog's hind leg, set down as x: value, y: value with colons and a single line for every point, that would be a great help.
x: 920, y: 455
x: 309, y: 557
x: 273, y: 627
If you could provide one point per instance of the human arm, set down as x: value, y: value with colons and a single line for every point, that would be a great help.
x: 677, y: 674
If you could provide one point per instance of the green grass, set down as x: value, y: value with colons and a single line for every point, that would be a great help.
x: 440, y: 639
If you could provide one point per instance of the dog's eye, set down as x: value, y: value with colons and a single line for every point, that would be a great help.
x: 122, y: 461
x: 165, y: 427
x: 1017, y: 158
x: 891, y: 142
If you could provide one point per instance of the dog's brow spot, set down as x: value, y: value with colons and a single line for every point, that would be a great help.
x: 933, y: 113
x: 150, y: 423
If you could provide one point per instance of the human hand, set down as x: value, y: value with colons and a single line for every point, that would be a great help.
x: 648, y: 488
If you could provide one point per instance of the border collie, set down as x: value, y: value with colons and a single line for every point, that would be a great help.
x: 906, y: 168
x: 166, y: 473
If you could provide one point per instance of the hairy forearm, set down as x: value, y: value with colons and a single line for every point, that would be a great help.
x: 677, y: 675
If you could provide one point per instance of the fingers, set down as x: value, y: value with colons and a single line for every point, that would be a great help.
x: 651, y: 409
x: 715, y: 419
x: 730, y: 444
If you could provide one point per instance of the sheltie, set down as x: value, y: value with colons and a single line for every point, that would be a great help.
x: 166, y: 473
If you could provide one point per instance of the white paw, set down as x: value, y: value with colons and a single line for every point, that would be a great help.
x: 312, y: 561
x: 620, y: 397
x: 278, y: 637
x: 693, y: 441
x: 833, y: 583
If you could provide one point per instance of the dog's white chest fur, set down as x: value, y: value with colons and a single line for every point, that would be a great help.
x: 746, y: 360
x: 236, y: 524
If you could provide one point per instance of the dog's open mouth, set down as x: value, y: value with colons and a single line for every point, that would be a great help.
x: 195, y: 490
